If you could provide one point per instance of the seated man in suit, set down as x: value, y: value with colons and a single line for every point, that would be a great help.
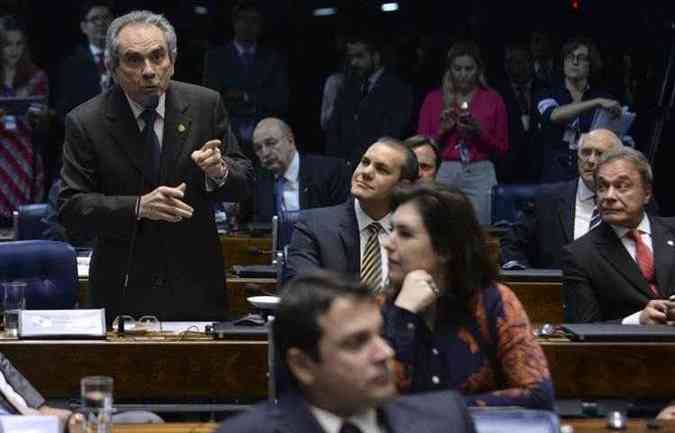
x: 329, y: 334
x: 348, y: 238
x: 428, y: 156
x: 624, y: 270
x: 562, y: 212
x: 289, y: 181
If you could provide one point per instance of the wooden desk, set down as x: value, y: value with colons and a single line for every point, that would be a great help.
x: 632, y: 426
x: 238, y: 289
x: 241, y: 249
x: 611, y: 370
x: 187, y: 427
x: 540, y: 292
x: 231, y: 370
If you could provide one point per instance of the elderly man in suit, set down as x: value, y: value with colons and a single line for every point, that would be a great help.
x: 142, y: 164
x: 329, y: 336
x: 289, y: 181
x: 624, y: 270
x: 348, y: 238
x: 252, y: 79
x: 561, y: 213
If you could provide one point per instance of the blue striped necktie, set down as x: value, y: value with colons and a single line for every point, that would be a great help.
x: 595, y: 218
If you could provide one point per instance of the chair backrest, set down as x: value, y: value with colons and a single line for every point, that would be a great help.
x: 48, y: 267
x: 29, y: 221
x: 510, y: 201
x: 510, y: 420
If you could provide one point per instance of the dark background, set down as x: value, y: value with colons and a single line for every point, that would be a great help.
x: 643, y: 29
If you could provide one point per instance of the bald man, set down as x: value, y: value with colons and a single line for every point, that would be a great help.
x: 562, y: 212
x: 289, y: 181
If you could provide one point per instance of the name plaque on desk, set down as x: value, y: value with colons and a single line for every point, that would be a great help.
x: 62, y: 323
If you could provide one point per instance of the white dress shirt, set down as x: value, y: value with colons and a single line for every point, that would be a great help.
x: 292, y: 184
x: 583, y: 209
x: 331, y: 423
x: 363, y: 220
x: 138, y: 109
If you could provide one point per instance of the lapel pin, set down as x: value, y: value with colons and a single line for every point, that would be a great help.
x: 181, y: 127
x: 671, y: 243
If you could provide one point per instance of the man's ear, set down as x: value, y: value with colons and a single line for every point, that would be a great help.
x: 301, y: 366
x: 648, y: 194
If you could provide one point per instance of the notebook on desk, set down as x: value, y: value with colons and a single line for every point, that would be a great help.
x: 600, y: 332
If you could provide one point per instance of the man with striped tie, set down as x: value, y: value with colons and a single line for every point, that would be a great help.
x: 562, y: 212
x: 623, y: 270
x: 348, y: 238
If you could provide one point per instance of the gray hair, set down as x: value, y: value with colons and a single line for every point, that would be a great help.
x: 631, y: 155
x: 112, y: 43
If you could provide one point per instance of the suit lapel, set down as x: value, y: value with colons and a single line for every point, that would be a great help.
x: 304, y: 182
x: 124, y: 129
x: 664, y: 256
x: 611, y: 248
x: 294, y: 416
x: 397, y: 421
x: 349, y: 235
x: 177, y: 126
x: 566, y: 210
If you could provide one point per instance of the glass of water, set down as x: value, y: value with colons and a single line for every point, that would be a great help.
x: 97, y: 400
x: 13, y: 301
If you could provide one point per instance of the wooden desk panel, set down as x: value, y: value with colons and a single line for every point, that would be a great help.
x: 542, y: 300
x: 611, y: 370
x: 173, y: 371
x: 238, y: 289
x: 246, y: 250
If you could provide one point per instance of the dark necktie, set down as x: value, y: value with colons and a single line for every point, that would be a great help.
x: 371, y: 263
x: 151, y: 144
x: 279, y: 207
x: 522, y: 98
x: 644, y: 258
x: 595, y: 218
x: 348, y: 427
x: 100, y: 65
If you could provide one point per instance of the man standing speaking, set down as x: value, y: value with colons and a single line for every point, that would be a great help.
x: 141, y: 164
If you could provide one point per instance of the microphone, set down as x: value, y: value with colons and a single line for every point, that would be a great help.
x: 150, y: 104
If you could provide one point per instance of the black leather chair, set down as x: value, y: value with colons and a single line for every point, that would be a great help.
x: 49, y: 269
x: 510, y: 201
x: 29, y: 221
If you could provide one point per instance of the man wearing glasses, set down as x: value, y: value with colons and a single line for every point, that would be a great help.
x: 83, y: 75
x: 567, y: 109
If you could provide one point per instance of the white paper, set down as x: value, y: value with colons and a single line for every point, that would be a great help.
x: 54, y: 323
x: 29, y: 424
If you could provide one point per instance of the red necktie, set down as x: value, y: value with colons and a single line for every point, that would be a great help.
x: 645, y: 259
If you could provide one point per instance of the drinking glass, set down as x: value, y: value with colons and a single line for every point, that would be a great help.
x: 97, y: 400
x: 13, y: 301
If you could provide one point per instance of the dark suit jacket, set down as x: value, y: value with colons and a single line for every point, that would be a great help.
x: 439, y: 412
x: 20, y: 385
x: 602, y: 282
x: 537, y: 240
x: 78, y: 80
x: 177, y: 271
x: 266, y: 81
x: 324, y: 181
x: 325, y: 238
x: 357, y: 123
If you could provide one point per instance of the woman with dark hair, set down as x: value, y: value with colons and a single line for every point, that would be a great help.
x: 451, y: 325
x: 469, y: 122
x: 567, y: 109
x: 21, y: 166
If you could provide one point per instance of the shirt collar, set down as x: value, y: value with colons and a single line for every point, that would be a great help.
x: 364, y: 220
x: 137, y: 109
x: 293, y: 169
x: 644, y: 227
x: 95, y: 50
x: 331, y: 423
x: 241, y: 49
x: 584, y: 193
x: 374, y: 77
